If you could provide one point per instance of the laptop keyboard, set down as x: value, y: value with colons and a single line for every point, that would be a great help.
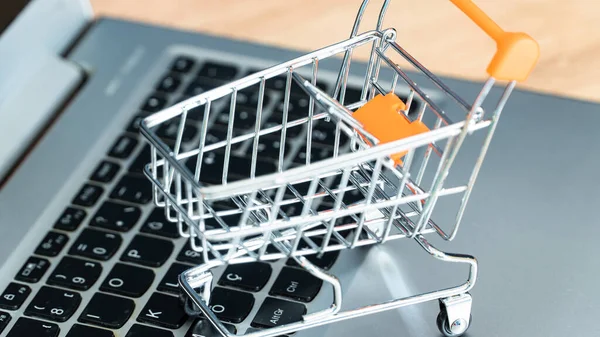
x: 111, y: 241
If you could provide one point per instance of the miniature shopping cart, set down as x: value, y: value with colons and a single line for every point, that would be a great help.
x: 393, y: 151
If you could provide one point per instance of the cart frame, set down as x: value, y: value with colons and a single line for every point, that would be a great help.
x: 189, y: 203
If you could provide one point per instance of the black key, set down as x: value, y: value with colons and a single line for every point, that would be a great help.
x: 212, y: 170
x: 169, y: 83
x: 244, y: 118
x: 128, y: 280
x: 218, y: 71
x: 33, y: 270
x: 302, y: 189
x: 225, y: 204
x: 182, y: 98
x: 195, y: 114
x: 148, y: 251
x: 13, y: 296
x: 269, y: 147
x: 324, y: 133
x: 187, y: 254
x: 88, y: 195
x: 143, y: 158
x: 138, y: 330
x: 154, y: 103
x: 292, y: 210
x: 70, y: 219
x: 275, y: 312
x: 107, y: 311
x: 75, y: 273
x: 170, y: 282
x: 105, y: 172
x: 350, y: 197
x: 203, y: 328
x: 115, y: 216
x: 352, y: 95
x: 27, y: 327
x: 239, y: 167
x: 296, y: 284
x: 231, y: 305
x: 319, y: 152
x: 182, y: 64
x: 157, y: 224
x: 96, y: 245
x: 133, y: 189
x: 279, y: 83
x: 52, y: 244
x: 53, y: 304
x: 297, y: 108
x: 169, y: 130
x: 247, y: 276
x: 195, y: 88
x: 134, y: 124
x: 324, y: 262
x: 123, y: 147
x: 229, y: 220
x: 200, y: 85
x: 163, y: 310
x: 253, y: 71
x: 291, y: 131
x: 296, y: 90
x: 249, y: 97
x: 4, y: 320
x: 79, y: 330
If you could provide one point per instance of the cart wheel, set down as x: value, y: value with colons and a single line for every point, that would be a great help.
x: 444, y: 327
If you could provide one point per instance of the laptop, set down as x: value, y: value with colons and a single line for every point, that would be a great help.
x: 86, y: 253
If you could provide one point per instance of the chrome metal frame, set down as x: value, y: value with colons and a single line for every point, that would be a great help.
x: 398, y: 199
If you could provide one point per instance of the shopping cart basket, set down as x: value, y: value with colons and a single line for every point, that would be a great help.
x: 394, y: 154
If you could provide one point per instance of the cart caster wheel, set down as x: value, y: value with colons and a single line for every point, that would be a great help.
x: 457, y: 328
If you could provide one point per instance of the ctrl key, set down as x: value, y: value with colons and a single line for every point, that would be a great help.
x: 33, y: 328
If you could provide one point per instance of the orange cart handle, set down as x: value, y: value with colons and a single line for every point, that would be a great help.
x: 516, y: 54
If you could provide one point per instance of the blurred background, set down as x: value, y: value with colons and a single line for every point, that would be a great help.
x: 434, y: 31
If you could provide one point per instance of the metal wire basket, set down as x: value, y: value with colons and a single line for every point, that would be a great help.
x: 369, y: 191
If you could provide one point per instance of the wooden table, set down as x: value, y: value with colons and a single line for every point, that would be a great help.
x: 434, y: 31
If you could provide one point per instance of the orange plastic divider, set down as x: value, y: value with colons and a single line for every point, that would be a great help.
x: 382, y: 118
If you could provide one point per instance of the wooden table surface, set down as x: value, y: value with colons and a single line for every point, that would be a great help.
x: 434, y: 31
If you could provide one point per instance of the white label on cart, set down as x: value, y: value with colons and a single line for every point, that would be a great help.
x: 276, y: 316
